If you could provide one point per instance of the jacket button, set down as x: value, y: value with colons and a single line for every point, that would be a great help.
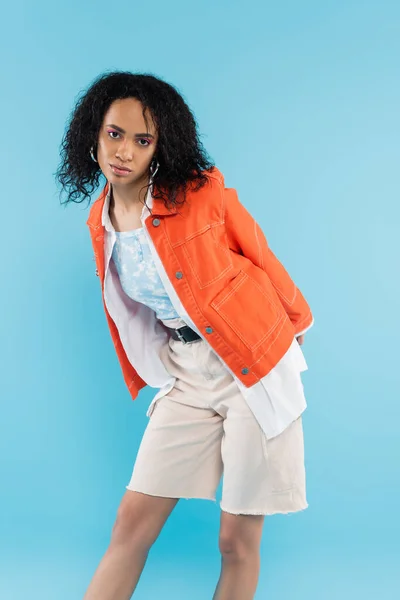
x: 156, y: 222
x: 245, y: 371
x: 178, y: 275
x: 209, y: 329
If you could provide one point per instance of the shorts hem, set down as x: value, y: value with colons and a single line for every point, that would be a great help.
x: 283, y: 503
x: 264, y: 512
x: 175, y: 496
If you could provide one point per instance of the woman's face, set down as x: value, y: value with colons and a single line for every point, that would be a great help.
x: 126, y: 146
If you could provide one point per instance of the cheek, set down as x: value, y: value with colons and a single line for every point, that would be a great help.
x: 103, y: 153
x: 102, y: 147
x: 145, y: 158
x: 151, y: 153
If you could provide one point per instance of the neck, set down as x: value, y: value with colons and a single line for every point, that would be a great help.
x: 127, y: 198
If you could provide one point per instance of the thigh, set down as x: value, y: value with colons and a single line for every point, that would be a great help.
x: 141, y: 517
x: 180, y: 453
x: 261, y: 476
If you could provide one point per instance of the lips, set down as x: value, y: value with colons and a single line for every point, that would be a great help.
x: 121, y: 168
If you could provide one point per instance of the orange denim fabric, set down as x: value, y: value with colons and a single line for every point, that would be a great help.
x: 231, y: 284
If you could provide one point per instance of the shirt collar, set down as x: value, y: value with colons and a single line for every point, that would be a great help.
x: 105, y: 216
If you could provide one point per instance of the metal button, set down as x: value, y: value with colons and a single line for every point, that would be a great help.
x: 245, y: 371
x: 209, y: 329
x: 156, y: 222
x: 178, y: 275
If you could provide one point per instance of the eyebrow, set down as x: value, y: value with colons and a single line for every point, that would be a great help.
x: 136, y: 134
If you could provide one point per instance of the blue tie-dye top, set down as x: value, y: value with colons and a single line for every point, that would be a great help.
x: 138, y: 274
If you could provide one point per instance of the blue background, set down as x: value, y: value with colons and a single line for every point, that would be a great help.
x: 299, y: 106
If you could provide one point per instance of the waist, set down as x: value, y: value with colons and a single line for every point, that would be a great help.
x: 180, y: 331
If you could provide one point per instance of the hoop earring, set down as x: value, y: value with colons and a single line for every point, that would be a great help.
x: 154, y: 166
x: 92, y: 155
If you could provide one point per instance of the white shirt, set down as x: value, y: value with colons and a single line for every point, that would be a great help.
x: 276, y: 400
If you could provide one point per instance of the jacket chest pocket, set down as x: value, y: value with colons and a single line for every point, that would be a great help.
x: 208, y: 255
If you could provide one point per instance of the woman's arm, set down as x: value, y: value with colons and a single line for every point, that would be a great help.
x: 246, y: 237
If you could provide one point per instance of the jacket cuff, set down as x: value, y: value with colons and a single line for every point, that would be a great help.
x: 299, y: 333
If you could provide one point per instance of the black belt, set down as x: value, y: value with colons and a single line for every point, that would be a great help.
x: 185, y: 334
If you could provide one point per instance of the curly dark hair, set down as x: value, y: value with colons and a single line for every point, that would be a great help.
x: 180, y: 152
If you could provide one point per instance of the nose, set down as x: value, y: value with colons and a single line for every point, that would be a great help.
x: 125, y: 151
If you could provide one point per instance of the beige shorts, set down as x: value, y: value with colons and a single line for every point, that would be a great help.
x: 203, y: 429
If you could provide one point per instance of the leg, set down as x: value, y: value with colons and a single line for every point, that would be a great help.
x: 240, y: 537
x: 261, y: 476
x: 140, y: 519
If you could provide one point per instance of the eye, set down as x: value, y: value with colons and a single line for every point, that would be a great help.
x: 111, y: 133
x: 146, y: 142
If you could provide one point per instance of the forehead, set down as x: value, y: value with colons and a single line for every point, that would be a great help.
x: 128, y: 114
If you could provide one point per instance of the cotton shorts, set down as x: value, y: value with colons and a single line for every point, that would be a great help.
x: 203, y: 429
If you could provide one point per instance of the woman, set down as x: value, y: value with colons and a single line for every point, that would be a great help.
x: 199, y: 307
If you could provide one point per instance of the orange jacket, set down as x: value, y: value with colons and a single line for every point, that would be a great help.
x: 233, y: 287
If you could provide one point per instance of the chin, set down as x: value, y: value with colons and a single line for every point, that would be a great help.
x: 121, y: 179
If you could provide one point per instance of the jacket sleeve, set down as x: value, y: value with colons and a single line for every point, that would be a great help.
x: 246, y: 237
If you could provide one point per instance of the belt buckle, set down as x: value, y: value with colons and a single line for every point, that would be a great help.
x: 180, y: 336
